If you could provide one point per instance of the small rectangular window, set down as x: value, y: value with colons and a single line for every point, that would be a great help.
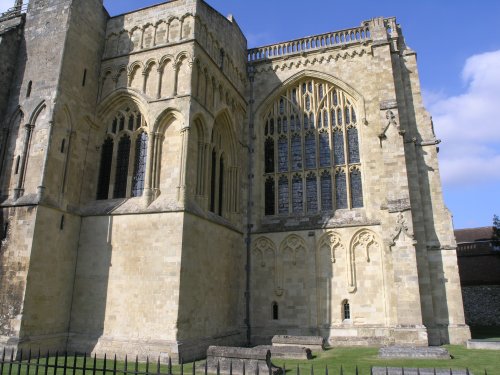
x: 84, y: 79
x: 61, y: 224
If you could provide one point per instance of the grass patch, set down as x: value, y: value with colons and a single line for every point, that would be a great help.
x: 476, y: 361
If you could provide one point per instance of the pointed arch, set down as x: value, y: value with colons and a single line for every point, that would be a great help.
x: 307, y: 73
x: 105, y: 110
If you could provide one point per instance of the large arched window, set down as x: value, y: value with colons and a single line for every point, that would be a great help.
x: 311, y: 151
x: 123, y: 167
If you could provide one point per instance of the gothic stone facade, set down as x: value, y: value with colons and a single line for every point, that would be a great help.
x: 164, y: 188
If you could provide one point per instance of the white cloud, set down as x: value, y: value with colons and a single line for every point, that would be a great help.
x: 469, y: 124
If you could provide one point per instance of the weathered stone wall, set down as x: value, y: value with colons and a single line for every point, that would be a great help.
x: 481, y: 305
x: 127, y: 275
x: 11, y: 31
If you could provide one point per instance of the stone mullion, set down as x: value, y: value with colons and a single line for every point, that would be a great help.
x: 154, y: 35
x: 149, y: 167
x: 161, y: 71
x: 181, y: 188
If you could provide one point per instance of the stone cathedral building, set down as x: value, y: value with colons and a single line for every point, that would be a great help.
x: 164, y: 188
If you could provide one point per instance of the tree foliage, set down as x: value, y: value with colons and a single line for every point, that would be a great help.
x: 496, y: 231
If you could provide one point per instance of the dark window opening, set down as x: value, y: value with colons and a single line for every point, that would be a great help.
x: 269, y: 155
x: 212, y: 182
x: 5, y: 230
x: 275, y: 311
x: 269, y: 198
x: 221, y: 185
x: 120, y: 190
x: 63, y: 144
x: 346, y: 310
x: 105, y: 169
x: 84, y: 77
x: 28, y: 91
x: 18, y: 160
x: 61, y: 224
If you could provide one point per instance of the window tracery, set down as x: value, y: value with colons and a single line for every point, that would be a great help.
x: 312, y: 151
x: 129, y: 131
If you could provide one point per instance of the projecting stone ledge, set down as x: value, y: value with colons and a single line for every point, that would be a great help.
x: 414, y: 371
x: 240, y: 360
x: 288, y: 352
x: 311, y: 342
x: 413, y: 352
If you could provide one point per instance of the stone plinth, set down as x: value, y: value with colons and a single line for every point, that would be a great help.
x: 413, y: 352
x: 240, y: 360
x: 414, y: 371
x: 311, y: 342
x: 483, y: 344
x: 288, y: 352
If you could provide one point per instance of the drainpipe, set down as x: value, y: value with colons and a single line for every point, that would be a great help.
x: 249, y: 202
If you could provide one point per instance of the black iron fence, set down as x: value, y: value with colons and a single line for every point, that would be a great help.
x: 83, y: 364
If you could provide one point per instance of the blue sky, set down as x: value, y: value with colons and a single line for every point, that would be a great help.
x: 459, y: 64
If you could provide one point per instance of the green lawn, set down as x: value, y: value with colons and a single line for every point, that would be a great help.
x: 476, y: 360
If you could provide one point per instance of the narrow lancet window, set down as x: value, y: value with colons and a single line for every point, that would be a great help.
x: 310, y: 150
x: 356, y: 189
x: 269, y: 198
x: 312, y: 193
x: 122, y: 160
x: 269, y: 155
x: 283, y: 193
x: 141, y: 149
x: 326, y: 192
x: 105, y: 169
x: 352, y: 138
x: 338, y: 147
x: 297, y: 195
x: 340, y: 190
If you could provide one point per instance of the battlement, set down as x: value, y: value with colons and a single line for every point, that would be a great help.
x: 334, y: 39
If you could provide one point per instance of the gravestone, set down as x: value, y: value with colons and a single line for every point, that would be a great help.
x: 311, y: 342
x: 413, y: 352
x: 240, y: 360
x: 288, y: 352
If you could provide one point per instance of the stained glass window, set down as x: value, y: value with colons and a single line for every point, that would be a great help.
x: 352, y: 142
x: 122, y: 123
x: 312, y: 193
x: 141, y: 149
x: 321, y: 119
x: 131, y: 123
x: 269, y: 155
x: 122, y: 160
x: 283, y: 192
x: 356, y: 189
x: 326, y: 191
x: 115, y: 124
x: 346, y: 310
x: 282, y: 154
x: 296, y: 153
x: 269, y: 198
x: 310, y: 147
x: 105, y: 169
x: 324, y: 149
x: 338, y: 147
x: 340, y: 190
x: 139, y: 121
x: 297, y: 195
